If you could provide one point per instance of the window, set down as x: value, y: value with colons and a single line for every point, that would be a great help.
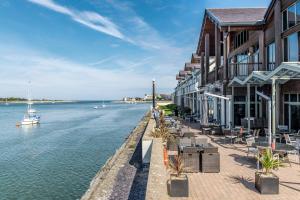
x: 293, y: 97
x: 286, y: 97
x: 239, y: 98
x: 291, y: 48
x: 298, y: 13
x: 271, y: 56
x: 240, y: 38
x: 292, y: 16
x: 284, y: 20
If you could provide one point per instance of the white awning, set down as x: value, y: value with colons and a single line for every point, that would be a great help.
x: 285, y: 72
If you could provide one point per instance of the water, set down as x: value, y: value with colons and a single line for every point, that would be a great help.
x: 59, y: 158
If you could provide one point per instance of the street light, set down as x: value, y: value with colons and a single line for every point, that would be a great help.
x: 153, y: 93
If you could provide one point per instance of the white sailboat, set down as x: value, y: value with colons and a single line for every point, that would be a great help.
x: 6, y: 103
x: 30, y: 117
x: 103, y: 105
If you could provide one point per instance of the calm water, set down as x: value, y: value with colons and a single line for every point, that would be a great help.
x: 58, y: 159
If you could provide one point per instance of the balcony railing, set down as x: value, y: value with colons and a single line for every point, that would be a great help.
x: 243, y: 69
x: 211, y: 77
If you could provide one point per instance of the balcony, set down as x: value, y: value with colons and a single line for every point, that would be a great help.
x: 243, y: 69
x: 211, y: 77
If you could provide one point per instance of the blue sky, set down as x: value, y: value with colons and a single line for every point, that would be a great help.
x: 98, y: 49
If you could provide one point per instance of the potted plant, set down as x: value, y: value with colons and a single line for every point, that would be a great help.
x: 267, y: 182
x: 178, y: 183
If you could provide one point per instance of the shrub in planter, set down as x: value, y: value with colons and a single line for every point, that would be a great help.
x: 178, y: 183
x: 267, y: 182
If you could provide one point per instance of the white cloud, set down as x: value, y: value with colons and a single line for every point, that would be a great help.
x: 59, y: 78
x: 132, y: 70
x: 90, y: 19
x: 104, y: 60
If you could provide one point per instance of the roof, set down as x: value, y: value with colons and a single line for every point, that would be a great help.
x: 191, y: 66
x: 237, y: 16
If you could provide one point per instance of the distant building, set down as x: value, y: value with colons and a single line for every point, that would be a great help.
x: 165, y: 97
x: 161, y: 97
x: 148, y: 97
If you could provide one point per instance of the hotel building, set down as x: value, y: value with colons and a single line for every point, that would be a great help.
x: 241, y: 54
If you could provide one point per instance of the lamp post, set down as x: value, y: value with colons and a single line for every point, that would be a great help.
x: 153, y: 93
x: 270, y: 115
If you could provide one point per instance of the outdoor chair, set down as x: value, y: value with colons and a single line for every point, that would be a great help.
x: 298, y: 149
x: 240, y: 135
x: 289, y: 140
x: 251, y: 150
x: 266, y: 132
x: 276, y: 157
x: 231, y: 136
x: 295, y: 143
x: 255, y: 133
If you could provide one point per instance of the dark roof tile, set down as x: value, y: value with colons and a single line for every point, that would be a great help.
x: 239, y: 16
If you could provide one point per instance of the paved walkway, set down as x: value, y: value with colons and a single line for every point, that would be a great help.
x: 236, y: 179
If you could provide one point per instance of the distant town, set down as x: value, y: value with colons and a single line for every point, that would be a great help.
x: 148, y: 97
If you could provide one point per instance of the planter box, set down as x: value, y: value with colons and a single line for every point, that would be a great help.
x: 266, y: 184
x: 179, y: 186
x: 190, y: 159
x: 210, y: 162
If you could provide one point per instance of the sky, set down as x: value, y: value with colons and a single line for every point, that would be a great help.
x: 98, y: 49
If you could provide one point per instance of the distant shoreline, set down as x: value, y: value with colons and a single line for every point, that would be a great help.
x: 37, y: 101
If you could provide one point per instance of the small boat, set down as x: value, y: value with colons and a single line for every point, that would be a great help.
x: 103, y: 105
x: 96, y: 107
x: 30, y: 118
x: 6, y: 103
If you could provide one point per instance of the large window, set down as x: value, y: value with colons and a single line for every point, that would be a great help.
x: 291, y: 16
x: 271, y: 56
x: 298, y: 13
x: 284, y: 20
x: 291, y: 48
x: 241, y: 38
x: 292, y: 111
x: 242, y: 64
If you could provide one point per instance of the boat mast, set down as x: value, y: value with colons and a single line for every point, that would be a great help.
x: 28, y: 98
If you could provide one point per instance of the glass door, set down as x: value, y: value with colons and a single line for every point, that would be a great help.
x: 295, y: 117
x: 239, y: 113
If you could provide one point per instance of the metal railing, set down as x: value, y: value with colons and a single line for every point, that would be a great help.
x: 243, y: 69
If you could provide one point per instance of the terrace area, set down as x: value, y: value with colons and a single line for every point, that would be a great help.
x: 235, y: 179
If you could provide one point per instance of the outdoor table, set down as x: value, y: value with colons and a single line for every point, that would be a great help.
x: 232, y: 136
x: 296, y: 136
x: 206, y: 130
